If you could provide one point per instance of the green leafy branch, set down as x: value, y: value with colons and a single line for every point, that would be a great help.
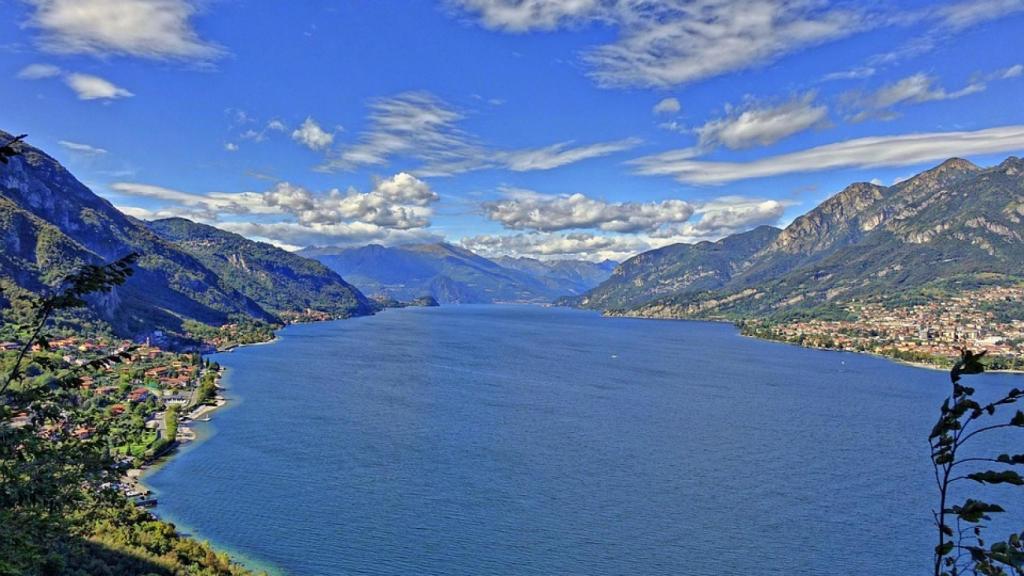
x: 963, y: 550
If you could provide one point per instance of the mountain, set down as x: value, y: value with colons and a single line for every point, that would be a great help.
x: 678, y: 268
x: 450, y: 274
x: 565, y: 277
x: 51, y: 223
x: 951, y: 227
x: 279, y: 281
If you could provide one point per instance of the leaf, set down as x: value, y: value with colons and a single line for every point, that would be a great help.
x: 974, y: 511
x: 1008, y: 459
x: 943, y: 549
x: 1018, y: 419
x: 993, y: 477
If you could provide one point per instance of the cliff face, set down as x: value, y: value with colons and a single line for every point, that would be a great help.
x: 953, y: 225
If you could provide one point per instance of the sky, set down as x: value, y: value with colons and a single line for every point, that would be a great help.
x: 544, y: 128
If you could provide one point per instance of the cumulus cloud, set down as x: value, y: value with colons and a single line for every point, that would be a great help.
x: 401, y: 202
x: 293, y: 234
x: 89, y: 87
x: 913, y: 89
x: 726, y: 215
x: 420, y: 126
x: 231, y: 147
x: 527, y: 210
x: 667, y: 106
x: 143, y: 28
x: 677, y: 41
x: 312, y: 136
x: 901, y: 150
x: 39, y: 71
x: 579, y: 245
x: 758, y: 124
x: 80, y: 148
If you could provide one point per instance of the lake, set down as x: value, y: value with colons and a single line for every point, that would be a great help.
x: 543, y: 441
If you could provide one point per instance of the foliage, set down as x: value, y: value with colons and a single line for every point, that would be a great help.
x: 961, y: 547
x: 57, y: 513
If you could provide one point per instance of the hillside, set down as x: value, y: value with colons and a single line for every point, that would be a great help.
x: 279, y: 281
x: 953, y: 227
x: 50, y: 223
x: 450, y: 274
x: 678, y: 268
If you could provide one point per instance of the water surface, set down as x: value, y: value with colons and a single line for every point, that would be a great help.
x: 525, y: 440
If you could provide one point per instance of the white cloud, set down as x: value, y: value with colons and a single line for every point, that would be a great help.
x: 1012, y: 72
x: 294, y: 234
x: 757, y: 124
x: 144, y: 28
x: 675, y: 42
x: 420, y: 126
x: 857, y: 73
x: 89, y: 87
x: 39, y: 71
x: 559, y: 155
x: 527, y: 210
x: 945, y: 21
x: 667, y: 106
x: 972, y: 12
x: 312, y: 136
x: 900, y: 150
x: 80, y: 148
x: 580, y: 245
x: 276, y: 125
x: 401, y: 202
x: 913, y: 89
x: 526, y: 15
x: 727, y: 215
x: 231, y: 147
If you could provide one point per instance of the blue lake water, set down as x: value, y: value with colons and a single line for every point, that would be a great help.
x: 533, y: 441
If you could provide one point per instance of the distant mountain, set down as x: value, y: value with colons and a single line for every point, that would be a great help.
x: 50, y: 223
x: 678, y: 268
x: 279, y: 281
x: 451, y: 274
x: 950, y: 228
x: 565, y: 277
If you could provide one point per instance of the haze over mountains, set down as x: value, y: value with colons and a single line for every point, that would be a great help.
x: 454, y: 275
x: 951, y: 227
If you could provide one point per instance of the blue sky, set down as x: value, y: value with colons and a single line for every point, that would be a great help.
x: 545, y: 128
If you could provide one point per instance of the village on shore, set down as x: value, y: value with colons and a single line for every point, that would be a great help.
x: 146, y: 404
x: 931, y: 332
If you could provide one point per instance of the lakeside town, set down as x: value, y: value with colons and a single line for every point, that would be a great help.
x: 141, y: 407
x: 930, y: 332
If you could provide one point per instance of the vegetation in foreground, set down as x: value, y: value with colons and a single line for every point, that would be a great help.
x: 60, y: 509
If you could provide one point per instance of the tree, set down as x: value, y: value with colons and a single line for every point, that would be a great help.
x: 961, y: 547
x: 43, y: 465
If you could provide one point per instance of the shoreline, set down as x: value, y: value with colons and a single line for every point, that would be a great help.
x: 892, y: 359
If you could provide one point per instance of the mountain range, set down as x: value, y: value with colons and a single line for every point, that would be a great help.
x: 949, y: 228
x: 454, y: 275
x: 50, y: 224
